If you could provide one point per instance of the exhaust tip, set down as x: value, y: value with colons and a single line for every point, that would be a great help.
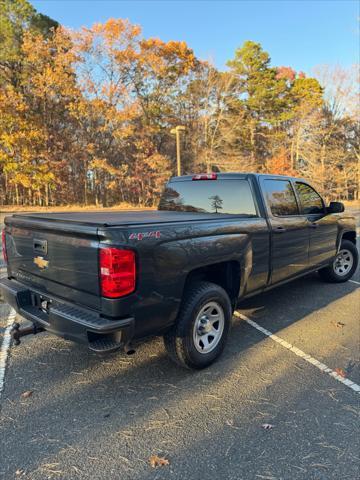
x: 129, y: 349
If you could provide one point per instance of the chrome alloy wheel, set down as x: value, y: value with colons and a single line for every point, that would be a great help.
x: 208, y: 327
x: 343, y: 262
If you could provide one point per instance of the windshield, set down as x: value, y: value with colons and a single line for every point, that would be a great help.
x: 233, y: 197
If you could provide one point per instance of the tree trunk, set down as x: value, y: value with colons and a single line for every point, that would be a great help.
x: 85, y: 189
x: 322, y: 159
x: 47, y: 194
x: 252, y: 141
x: 6, y: 196
x: 297, y: 149
x: 292, y: 162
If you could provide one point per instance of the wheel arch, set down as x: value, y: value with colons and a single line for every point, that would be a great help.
x: 225, y: 274
x: 347, y: 235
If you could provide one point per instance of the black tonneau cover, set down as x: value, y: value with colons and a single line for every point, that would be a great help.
x: 116, y: 218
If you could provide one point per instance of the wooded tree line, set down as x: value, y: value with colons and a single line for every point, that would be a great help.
x: 86, y: 115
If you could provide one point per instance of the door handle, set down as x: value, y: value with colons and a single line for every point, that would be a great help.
x: 313, y: 225
x: 279, y: 230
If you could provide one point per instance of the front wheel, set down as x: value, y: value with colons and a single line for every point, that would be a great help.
x: 200, y: 333
x: 344, y: 265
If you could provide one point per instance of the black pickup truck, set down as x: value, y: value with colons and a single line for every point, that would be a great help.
x: 109, y: 278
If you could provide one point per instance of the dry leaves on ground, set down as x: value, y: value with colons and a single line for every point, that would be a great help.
x: 156, y: 461
x: 267, y: 426
x: 26, y: 394
x: 340, y: 324
x: 341, y: 372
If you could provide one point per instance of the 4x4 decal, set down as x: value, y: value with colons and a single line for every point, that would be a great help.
x: 142, y: 235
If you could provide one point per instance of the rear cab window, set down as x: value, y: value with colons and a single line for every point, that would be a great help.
x: 232, y: 197
x: 280, y: 197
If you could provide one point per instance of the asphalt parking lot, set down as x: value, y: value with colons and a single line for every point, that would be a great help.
x: 92, y: 417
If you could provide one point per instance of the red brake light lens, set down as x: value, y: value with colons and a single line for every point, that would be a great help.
x: 117, y: 272
x: 3, y: 242
x: 205, y: 176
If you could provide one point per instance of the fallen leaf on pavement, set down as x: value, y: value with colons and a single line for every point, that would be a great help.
x: 267, y: 426
x: 26, y: 394
x: 341, y: 372
x: 231, y: 424
x: 156, y: 461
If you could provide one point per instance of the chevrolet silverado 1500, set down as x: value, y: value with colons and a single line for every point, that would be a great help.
x: 109, y: 278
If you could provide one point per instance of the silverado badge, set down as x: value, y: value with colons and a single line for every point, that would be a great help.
x: 41, y: 262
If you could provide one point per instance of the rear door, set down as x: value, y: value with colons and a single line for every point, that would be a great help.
x: 289, y: 230
x: 323, y: 227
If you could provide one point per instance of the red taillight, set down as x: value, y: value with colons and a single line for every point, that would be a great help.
x: 117, y: 272
x: 205, y: 176
x: 3, y: 242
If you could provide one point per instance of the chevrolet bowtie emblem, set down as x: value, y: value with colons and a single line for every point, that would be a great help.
x: 41, y: 262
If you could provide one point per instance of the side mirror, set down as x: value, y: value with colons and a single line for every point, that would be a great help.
x: 335, y: 207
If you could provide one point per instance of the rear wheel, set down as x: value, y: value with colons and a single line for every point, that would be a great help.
x: 200, y: 333
x: 344, y: 265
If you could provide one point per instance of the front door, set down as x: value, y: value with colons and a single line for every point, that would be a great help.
x: 323, y: 227
x: 290, y: 233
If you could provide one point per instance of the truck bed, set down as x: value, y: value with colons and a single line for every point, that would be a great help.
x: 115, y: 218
x: 69, y: 243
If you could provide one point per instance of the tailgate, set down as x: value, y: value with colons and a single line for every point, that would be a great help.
x: 54, y: 258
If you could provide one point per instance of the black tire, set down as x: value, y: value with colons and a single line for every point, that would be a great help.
x: 180, y: 342
x: 331, y: 273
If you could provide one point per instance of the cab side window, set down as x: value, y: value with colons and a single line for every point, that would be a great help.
x: 281, y: 197
x: 310, y: 200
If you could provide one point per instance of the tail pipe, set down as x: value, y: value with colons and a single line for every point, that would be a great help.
x: 129, y: 349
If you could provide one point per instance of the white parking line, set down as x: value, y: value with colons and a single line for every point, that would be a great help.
x: 5, y: 347
x: 321, y: 366
x: 354, y: 281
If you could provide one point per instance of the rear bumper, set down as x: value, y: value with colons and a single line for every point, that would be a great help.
x: 62, y: 319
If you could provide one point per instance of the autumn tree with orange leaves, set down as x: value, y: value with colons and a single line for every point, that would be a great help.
x: 86, y: 115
